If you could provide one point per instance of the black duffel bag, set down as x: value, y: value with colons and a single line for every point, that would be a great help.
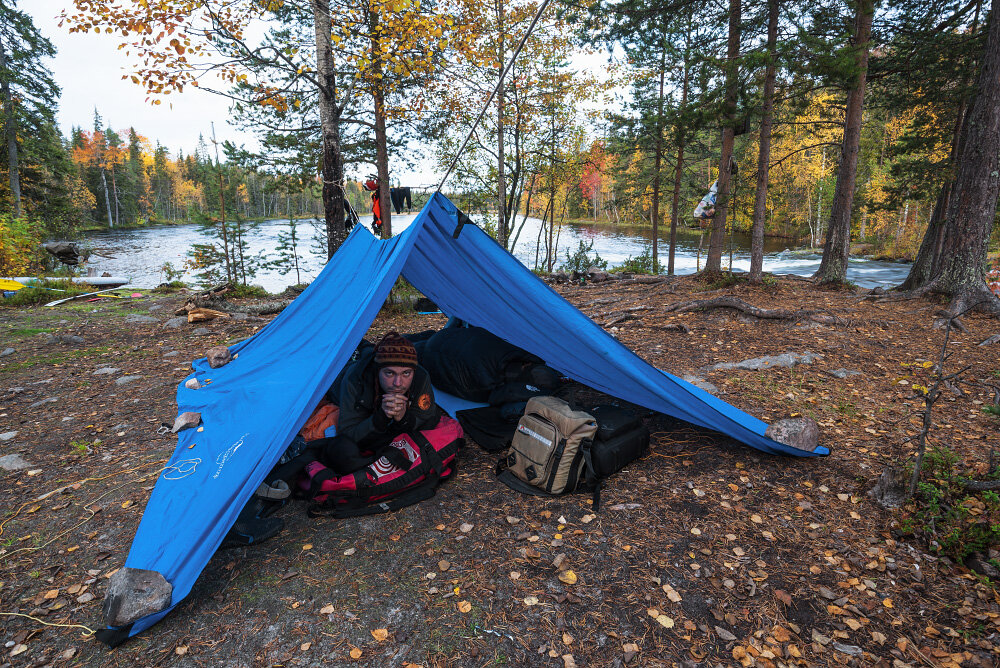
x: 621, y: 439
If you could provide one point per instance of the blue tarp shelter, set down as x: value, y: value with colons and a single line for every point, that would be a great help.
x: 253, y: 406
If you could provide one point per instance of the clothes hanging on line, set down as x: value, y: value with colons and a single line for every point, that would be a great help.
x: 399, y: 196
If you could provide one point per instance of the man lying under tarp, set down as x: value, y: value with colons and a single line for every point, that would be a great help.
x: 382, y: 445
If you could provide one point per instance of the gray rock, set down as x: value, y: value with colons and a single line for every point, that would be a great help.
x: 7, y: 435
x: 137, y: 319
x: 51, y: 338
x: 238, y: 316
x: 15, y: 390
x: 977, y: 562
x: 134, y: 593
x: 192, y: 384
x: 125, y: 380
x: 801, y: 433
x: 155, y: 307
x: 843, y: 373
x: 891, y: 489
x: 784, y: 360
x: 13, y: 463
x: 186, y: 421
x: 702, y: 383
x: 50, y: 400
x: 172, y: 353
x: 71, y: 338
x: 7, y: 351
x: 105, y: 370
x: 218, y: 356
x: 175, y: 323
x: 67, y: 252
x: 201, y: 331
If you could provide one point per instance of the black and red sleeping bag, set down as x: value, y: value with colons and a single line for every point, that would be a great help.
x: 382, y: 486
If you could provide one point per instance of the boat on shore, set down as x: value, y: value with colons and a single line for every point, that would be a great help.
x: 96, y: 281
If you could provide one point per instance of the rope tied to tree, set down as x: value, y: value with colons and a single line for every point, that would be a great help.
x: 503, y: 75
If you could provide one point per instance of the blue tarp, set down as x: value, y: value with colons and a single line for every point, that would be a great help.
x: 253, y: 406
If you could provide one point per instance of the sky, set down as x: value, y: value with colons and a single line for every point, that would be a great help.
x: 89, y: 68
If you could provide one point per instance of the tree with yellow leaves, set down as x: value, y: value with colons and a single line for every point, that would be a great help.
x: 319, y: 56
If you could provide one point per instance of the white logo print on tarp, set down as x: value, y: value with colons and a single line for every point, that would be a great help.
x: 225, y: 456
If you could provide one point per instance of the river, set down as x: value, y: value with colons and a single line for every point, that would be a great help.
x: 141, y: 252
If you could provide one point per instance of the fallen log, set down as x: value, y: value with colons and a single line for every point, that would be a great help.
x: 263, y: 308
x: 755, y: 311
x: 205, y: 314
x: 990, y: 341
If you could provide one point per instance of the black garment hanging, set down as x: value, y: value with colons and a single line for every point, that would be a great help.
x: 399, y: 196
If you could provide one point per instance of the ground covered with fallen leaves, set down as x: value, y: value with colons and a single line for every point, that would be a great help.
x: 704, y: 553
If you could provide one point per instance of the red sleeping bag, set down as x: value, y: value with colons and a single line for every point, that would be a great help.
x: 382, y: 487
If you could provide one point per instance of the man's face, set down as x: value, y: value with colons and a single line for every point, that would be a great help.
x: 395, y: 379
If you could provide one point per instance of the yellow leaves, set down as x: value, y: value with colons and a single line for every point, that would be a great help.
x: 568, y: 577
x: 464, y: 606
x: 672, y: 594
x: 381, y: 635
x: 326, y: 609
x: 355, y: 653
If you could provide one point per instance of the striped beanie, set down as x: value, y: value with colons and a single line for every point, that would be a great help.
x: 394, y: 350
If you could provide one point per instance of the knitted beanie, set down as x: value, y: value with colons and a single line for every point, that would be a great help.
x: 394, y: 350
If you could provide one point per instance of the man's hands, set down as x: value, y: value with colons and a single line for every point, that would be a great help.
x: 394, y: 406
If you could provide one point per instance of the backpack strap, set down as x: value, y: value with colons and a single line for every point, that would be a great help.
x: 586, y: 446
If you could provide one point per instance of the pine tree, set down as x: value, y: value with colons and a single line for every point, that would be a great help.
x: 28, y: 92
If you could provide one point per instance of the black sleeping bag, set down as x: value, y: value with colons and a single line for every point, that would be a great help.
x: 470, y: 362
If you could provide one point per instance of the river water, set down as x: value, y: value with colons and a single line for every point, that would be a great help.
x: 140, y: 253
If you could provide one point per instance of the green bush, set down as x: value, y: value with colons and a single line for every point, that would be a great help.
x: 37, y: 294
x: 240, y: 291
x: 580, y: 259
x: 643, y: 264
x: 951, y: 520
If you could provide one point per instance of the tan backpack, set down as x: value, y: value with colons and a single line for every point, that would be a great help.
x: 550, y: 452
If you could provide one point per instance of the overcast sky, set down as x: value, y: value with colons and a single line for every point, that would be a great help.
x: 89, y: 68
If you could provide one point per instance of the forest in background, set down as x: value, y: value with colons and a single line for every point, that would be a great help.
x: 688, y: 87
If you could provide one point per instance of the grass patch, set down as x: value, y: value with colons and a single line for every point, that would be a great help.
x: 56, y: 358
x: 25, y: 332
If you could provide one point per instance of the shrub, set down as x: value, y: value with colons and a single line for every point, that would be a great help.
x: 643, y: 264
x: 952, y: 520
x: 240, y: 291
x: 18, y: 241
x: 38, y: 294
x: 580, y: 259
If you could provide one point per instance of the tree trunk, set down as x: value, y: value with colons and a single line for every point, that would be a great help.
x: 974, y: 196
x: 381, y: 135
x: 10, y: 131
x: 927, y: 264
x: 501, y: 180
x: 764, y: 156
x: 107, y: 198
x: 658, y: 157
x: 679, y: 166
x: 713, y: 262
x: 329, y: 116
x: 836, y: 250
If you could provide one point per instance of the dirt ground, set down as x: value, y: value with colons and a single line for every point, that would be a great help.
x: 704, y: 553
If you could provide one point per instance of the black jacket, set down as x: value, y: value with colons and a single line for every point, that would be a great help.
x: 361, y: 417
